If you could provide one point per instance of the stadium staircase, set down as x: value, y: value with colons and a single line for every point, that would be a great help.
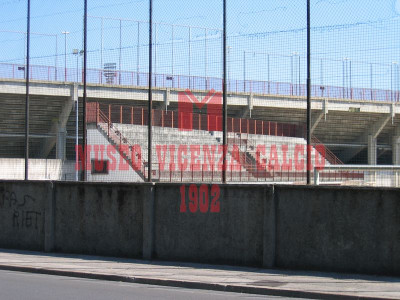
x: 121, y: 143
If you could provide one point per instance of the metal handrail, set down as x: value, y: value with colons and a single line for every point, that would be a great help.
x: 329, y: 155
x: 122, y: 139
x: 95, y: 76
x: 363, y: 168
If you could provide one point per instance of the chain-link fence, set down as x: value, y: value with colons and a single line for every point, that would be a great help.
x: 227, y: 103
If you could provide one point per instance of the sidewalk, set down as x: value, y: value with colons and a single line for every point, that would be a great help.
x: 314, y: 285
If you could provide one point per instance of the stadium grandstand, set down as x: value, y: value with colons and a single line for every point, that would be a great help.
x: 262, y: 71
x: 117, y: 116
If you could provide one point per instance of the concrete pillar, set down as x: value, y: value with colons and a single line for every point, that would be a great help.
x: 167, y: 97
x: 396, y: 150
x: 372, y: 158
x: 61, y: 143
x: 396, y: 157
x: 250, y: 103
x: 372, y: 150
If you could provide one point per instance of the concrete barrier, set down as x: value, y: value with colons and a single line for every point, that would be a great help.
x: 338, y: 229
x: 311, y: 228
x: 231, y: 235
x: 103, y: 219
x: 22, y: 214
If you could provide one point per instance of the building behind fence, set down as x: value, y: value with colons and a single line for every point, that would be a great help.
x: 355, y: 92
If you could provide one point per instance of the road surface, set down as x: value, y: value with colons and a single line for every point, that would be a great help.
x: 18, y: 285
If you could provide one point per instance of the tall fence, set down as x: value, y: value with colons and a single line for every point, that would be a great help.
x: 228, y: 94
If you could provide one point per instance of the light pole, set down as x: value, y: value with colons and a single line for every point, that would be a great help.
x: 299, y: 65
x: 345, y: 77
x: 205, y: 55
x: 392, y: 79
x: 138, y: 54
x: 291, y: 75
x: 269, y: 69
x: 321, y: 74
x: 172, y: 55
x: 350, y: 83
x: 56, y: 59
x: 371, y: 83
x: 65, y: 33
x: 101, y: 42
x: 295, y: 75
x: 398, y: 81
x: 244, y: 71
x: 228, y: 69
x: 120, y: 50
x: 78, y: 53
x: 190, y: 56
x: 155, y: 54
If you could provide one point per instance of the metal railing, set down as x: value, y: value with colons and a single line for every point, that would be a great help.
x: 195, y: 173
x: 329, y: 155
x: 132, y: 78
x: 126, y: 114
x: 368, y: 174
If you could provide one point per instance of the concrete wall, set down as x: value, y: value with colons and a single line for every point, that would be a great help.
x: 309, y: 228
x: 22, y: 214
x: 232, y: 236
x: 338, y: 229
x: 99, y: 219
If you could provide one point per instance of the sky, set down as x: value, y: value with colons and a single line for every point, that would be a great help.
x: 266, y: 39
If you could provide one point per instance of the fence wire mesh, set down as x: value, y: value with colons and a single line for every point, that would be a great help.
x: 355, y: 91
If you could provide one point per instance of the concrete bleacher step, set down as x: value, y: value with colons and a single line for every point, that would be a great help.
x: 137, y: 134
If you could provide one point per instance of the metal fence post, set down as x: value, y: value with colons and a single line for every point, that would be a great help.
x: 150, y: 104
x: 27, y: 91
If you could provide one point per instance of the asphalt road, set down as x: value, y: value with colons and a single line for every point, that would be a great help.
x: 19, y: 286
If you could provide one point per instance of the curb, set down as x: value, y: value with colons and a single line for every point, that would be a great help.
x: 189, y: 284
